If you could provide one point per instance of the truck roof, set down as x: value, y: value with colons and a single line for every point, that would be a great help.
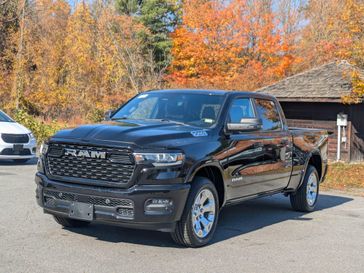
x: 216, y: 92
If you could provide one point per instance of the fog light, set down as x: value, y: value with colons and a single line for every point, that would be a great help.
x: 158, y: 206
x: 126, y: 213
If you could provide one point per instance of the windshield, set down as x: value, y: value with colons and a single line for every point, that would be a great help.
x: 199, y: 110
x: 4, y: 117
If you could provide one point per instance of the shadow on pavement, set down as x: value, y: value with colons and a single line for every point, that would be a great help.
x: 260, y: 213
x: 32, y: 161
x: 234, y: 221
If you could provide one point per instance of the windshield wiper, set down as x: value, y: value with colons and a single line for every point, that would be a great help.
x: 174, y: 121
x: 156, y: 119
x: 119, y: 118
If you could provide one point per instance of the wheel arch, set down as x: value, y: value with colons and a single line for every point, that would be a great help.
x: 314, y: 158
x: 316, y: 161
x: 214, y: 173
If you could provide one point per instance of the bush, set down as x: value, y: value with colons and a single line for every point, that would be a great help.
x: 40, y: 129
x: 96, y: 115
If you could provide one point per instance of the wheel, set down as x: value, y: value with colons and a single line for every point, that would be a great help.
x: 21, y: 161
x: 306, y: 196
x: 72, y: 223
x: 198, y: 222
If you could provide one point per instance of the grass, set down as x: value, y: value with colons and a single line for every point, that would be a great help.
x: 344, y: 177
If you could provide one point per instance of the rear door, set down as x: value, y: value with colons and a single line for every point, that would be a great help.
x: 277, y: 145
x: 258, y: 161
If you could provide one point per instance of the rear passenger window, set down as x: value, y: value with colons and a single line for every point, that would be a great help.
x: 240, y: 109
x: 268, y: 112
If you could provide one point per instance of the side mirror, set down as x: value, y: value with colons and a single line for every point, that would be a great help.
x: 246, y: 124
x: 108, y: 114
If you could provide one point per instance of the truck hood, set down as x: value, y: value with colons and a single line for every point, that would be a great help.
x: 12, y: 128
x: 139, y: 133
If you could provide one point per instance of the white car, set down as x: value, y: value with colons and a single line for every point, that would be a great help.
x: 16, y: 142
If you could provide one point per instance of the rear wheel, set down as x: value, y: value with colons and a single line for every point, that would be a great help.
x: 306, y: 196
x: 67, y: 222
x: 198, y: 223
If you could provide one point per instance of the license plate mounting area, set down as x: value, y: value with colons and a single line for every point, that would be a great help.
x: 81, y: 211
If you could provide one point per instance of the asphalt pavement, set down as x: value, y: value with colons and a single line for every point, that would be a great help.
x: 262, y: 235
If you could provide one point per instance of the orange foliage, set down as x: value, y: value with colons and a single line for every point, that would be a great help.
x: 74, y: 64
x: 234, y: 45
x: 336, y: 31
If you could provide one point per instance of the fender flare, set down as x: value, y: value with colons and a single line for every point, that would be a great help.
x: 203, y: 164
x: 308, y: 158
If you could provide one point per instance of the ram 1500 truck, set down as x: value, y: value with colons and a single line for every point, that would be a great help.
x: 170, y: 160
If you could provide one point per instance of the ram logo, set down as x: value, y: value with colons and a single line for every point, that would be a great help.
x: 85, y: 153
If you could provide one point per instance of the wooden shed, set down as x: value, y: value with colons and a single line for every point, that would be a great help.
x: 313, y: 99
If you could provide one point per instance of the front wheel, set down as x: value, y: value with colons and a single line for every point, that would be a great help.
x: 306, y: 196
x: 198, y: 223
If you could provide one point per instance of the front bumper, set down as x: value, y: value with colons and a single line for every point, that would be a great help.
x: 124, y: 207
x: 6, y: 150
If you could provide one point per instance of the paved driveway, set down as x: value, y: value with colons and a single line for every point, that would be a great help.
x: 258, y: 236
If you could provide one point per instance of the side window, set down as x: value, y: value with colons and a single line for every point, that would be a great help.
x: 239, y: 109
x: 267, y: 111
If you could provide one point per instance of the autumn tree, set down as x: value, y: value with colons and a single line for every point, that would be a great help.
x: 8, y: 21
x: 80, y: 57
x: 17, y: 44
x: 9, y: 24
x: 45, y: 49
x: 335, y: 31
x: 235, y: 45
x: 123, y: 63
x: 105, y: 60
x: 29, y: 54
x: 63, y: 63
x: 58, y: 61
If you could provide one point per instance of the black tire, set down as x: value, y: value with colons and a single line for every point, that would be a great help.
x: 71, y: 223
x: 298, y: 199
x: 21, y: 161
x: 184, y: 233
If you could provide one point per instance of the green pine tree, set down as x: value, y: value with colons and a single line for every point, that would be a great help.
x: 160, y: 17
x: 128, y: 7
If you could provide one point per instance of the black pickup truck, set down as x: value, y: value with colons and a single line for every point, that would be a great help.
x: 170, y: 160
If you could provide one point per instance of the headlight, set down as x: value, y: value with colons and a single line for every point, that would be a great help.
x: 31, y: 136
x: 43, y: 149
x: 160, y: 159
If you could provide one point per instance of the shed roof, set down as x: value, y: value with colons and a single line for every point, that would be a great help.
x: 326, y: 83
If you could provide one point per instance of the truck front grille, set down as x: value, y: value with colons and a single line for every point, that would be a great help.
x: 117, y: 166
x: 10, y: 151
x: 15, y: 138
